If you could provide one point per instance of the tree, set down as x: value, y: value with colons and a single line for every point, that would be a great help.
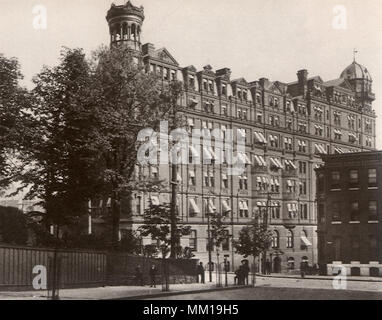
x: 253, y: 240
x: 56, y: 163
x: 126, y: 100
x: 157, y: 220
x: 13, y: 116
x: 219, y: 232
x: 13, y: 226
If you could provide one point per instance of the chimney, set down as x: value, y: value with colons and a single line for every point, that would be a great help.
x: 148, y: 49
x: 263, y: 82
x: 302, y: 76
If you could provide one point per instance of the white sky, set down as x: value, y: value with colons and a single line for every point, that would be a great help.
x: 255, y: 38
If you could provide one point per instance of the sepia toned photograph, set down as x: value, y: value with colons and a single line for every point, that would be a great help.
x: 190, y: 150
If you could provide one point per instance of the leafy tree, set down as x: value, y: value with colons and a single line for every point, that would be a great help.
x: 157, y: 220
x: 13, y: 115
x: 13, y: 226
x: 126, y: 100
x: 219, y: 231
x: 253, y: 240
x: 56, y: 161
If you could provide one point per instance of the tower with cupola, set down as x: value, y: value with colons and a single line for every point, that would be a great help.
x: 125, y: 25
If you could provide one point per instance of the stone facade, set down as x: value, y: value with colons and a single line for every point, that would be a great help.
x: 287, y: 127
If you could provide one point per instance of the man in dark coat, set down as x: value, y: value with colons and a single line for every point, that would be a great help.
x: 200, y: 271
x: 245, y: 272
x: 153, y: 273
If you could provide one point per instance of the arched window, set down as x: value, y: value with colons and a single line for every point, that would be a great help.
x: 275, y: 239
x: 289, y: 239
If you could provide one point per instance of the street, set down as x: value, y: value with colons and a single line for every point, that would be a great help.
x: 293, y: 289
x: 270, y: 293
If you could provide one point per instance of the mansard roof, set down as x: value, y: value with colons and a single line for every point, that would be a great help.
x: 341, y: 82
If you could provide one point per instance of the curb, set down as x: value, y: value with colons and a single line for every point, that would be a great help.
x: 316, y: 278
x: 176, y: 293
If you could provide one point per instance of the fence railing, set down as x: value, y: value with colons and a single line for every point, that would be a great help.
x: 81, y: 268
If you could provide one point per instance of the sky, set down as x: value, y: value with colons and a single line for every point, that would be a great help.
x: 254, y: 38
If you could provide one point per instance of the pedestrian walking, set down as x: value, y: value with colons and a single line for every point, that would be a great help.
x: 153, y: 274
x: 268, y: 267
x: 138, y: 276
x: 200, y: 272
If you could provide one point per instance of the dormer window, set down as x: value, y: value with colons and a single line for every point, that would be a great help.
x: 173, y: 75
x: 258, y: 98
x: 224, y: 90
x: 211, y: 85
x: 205, y: 85
x: 191, y: 82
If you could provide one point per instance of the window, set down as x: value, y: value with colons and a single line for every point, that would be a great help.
x: 243, y: 209
x: 304, y: 211
x: 354, y: 211
x: 275, y: 239
x: 225, y: 242
x: 336, y: 176
x: 355, y: 248
x: 192, y: 180
x: 337, y: 248
x: 224, y: 109
x: 224, y: 180
x: 353, y: 177
x: 138, y: 205
x: 289, y: 239
x: 336, y: 211
x: 303, y: 187
x: 193, y: 240
x: 373, y: 253
x: 372, y: 177
x: 243, y: 182
x: 224, y: 90
x: 373, y: 211
x: 304, y: 240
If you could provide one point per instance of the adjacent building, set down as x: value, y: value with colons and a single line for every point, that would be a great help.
x: 287, y: 127
x: 349, y: 197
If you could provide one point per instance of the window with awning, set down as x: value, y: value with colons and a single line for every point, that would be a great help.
x: 225, y: 206
x: 194, y: 152
x: 259, y: 137
x: 305, y: 241
x: 290, y: 163
x: 193, y: 207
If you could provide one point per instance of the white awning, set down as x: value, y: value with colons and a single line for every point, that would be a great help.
x: 193, y: 151
x: 258, y: 160
x: 226, y: 206
x: 289, y: 183
x: 193, y: 206
x: 245, y: 206
x: 260, y: 137
x: 224, y: 176
x: 274, y: 163
x: 207, y: 154
x: 258, y: 179
x: 191, y: 173
x: 211, y: 206
x: 306, y: 241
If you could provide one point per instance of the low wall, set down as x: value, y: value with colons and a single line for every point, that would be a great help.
x: 79, y: 268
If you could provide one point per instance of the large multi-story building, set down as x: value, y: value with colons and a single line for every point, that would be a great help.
x: 287, y: 126
x: 349, y: 195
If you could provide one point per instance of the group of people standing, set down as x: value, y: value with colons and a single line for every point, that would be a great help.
x: 139, y: 276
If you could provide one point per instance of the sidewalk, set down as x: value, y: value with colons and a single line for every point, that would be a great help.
x: 115, y: 292
x: 317, y: 277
